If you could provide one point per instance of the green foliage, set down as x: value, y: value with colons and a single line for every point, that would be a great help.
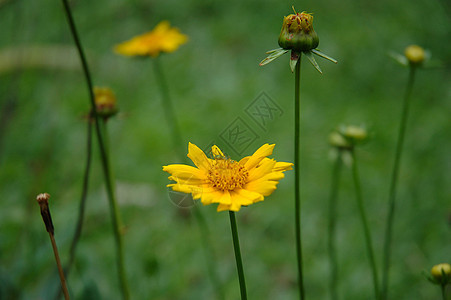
x: 213, y: 78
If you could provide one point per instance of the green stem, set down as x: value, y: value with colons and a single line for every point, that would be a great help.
x: 168, y: 108
x: 103, y: 155
x: 239, y: 262
x: 81, y: 209
x: 393, y: 185
x: 443, y: 286
x: 366, y: 229
x: 205, y: 239
x: 332, y: 221
x: 297, y: 200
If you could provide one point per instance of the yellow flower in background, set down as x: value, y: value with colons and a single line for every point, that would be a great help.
x: 227, y: 182
x: 163, y: 38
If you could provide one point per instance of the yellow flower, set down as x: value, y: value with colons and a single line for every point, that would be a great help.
x: 162, y: 39
x: 229, y: 183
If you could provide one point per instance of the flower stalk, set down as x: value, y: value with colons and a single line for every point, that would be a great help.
x: 394, y: 182
x: 239, y: 262
x: 84, y: 193
x: 47, y: 218
x: 332, y: 224
x: 104, y: 158
x: 366, y: 229
x: 297, y: 193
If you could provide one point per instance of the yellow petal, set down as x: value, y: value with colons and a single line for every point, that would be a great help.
x: 183, y: 188
x: 198, y: 157
x: 225, y: 198
x: 245, y: 197
x: 216, y: 151
x: 283, y: 166
x: 264, y: 168
x: 264, y: 187
x: 257, y: 157
x: 223, y: 207
x: 184, y: 171
x: 210, y: 196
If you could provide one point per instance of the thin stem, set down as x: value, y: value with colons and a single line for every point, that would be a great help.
x: 168, y: 108
x: 239, y: 262
x: 103, y: 155
x: 297, y: 200
x: 116, y: 221
x: 81, y: 209
x: 366, y: 229
x: 206, y: 244
x: 443, y: 286
x: 332, y: 221
x: 84, y: 193
x: 60, y: 268
x: 393, y: 185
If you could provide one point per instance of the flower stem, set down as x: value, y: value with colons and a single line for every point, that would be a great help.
x: 366, y: 229
x: 81, y: 209
x: 60, y: 268
x: 239, y: 262
x: 393, y: 185
x: 297, y: 200
x: 332, y: 221
x: 103, y: 155
x: 168, y: 108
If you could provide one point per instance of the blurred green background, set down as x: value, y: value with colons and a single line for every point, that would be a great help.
x: 213, y: 78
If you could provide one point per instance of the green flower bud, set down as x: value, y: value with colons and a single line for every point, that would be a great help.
x: 415, y: 54
x: 297, y: 33
x: 355, y: 133
x: 338, y: 140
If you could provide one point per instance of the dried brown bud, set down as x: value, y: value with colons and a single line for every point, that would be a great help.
x: 43, y: 200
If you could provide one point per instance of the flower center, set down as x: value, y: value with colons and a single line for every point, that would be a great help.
x: 227, y: 174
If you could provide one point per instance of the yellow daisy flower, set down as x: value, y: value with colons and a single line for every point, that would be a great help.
x: 162, y: 38
x: 229, y: 183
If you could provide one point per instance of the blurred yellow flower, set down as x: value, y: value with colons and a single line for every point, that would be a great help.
x: 229, y: 183
x: 162, y: 38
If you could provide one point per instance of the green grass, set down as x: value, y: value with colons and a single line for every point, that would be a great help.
x: 213, y: 79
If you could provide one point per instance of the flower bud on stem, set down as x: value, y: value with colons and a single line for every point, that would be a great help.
x: 47, y: 218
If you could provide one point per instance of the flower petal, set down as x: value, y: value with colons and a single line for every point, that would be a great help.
x: 198, y: 157
x: 264, y: 168
x: 184, y: 171
x: 282, y: 166
x: 257, y: 157
x: 223, y: 207
x: 264, y: 187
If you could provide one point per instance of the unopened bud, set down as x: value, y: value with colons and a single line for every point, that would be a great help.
x: 442, y: 273
x: 297, y: 33
x: 415, y: 54
x: 43, y: 200
x: 105, y: 101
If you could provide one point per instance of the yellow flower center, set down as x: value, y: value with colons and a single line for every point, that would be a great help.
x: 227, y: 174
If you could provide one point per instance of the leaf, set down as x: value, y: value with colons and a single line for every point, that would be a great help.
x: 273, y: 54
x: 313, y: 61
x: 399, y: 58
x: 325, y: 56
x: 295, y: 56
